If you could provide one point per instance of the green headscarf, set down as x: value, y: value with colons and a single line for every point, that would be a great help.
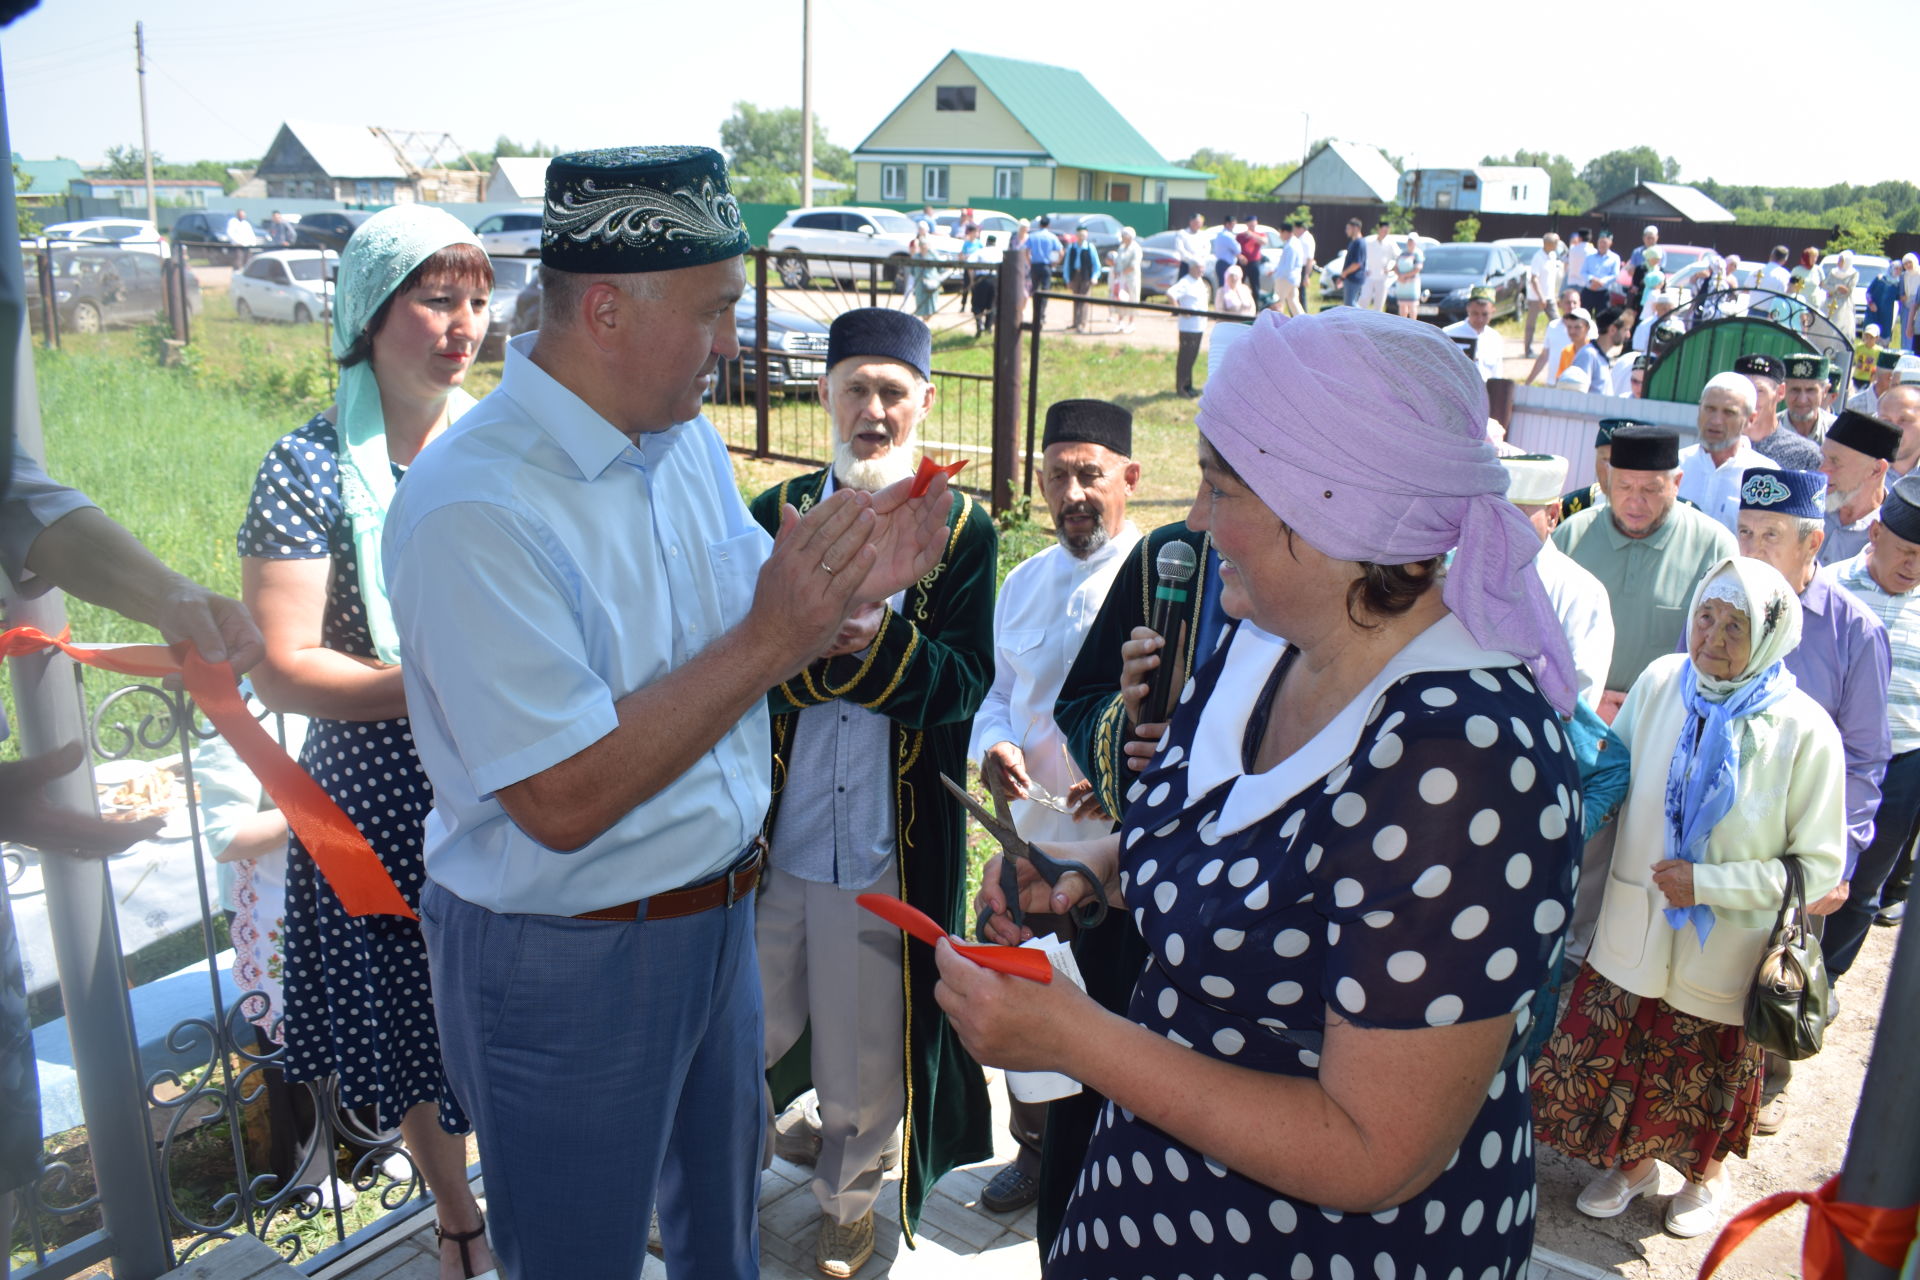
x: 382, y: 253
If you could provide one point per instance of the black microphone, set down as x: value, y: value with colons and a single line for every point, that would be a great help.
x: 1174, y: 567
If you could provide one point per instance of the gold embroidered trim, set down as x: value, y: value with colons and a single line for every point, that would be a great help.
x: 873, y: 654
x: 906, y: 1062
x: 900, y: 673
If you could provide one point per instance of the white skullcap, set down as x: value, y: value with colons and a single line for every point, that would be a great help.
x: 1575, y: 379
x: 1535, y: 478
x: 1738, y: 383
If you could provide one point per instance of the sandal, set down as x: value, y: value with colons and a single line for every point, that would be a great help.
x: 461, y: 1238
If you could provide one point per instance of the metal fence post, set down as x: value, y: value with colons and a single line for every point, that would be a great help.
x: 762, y: 433
x: 1006, y: 377
x: 86, y: 937
x: 1882, y: 1167
x: 49, y: 308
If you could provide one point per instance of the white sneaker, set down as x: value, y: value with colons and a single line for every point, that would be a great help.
x: 331, y: 1194
x: 1608, y: 1195
x: 1695, y: 1210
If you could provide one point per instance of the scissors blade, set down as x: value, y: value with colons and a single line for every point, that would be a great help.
x: 1000, y: 830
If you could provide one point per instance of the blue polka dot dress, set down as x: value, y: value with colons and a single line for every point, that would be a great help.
x: 358, y: 1001
x: 1416, y: 873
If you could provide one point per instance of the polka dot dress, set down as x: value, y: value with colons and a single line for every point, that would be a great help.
x: 1424, y: 881
x: 358, y: 1002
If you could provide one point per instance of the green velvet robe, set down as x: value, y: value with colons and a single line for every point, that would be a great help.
x: 1093, y: 716
x: 927, y: 671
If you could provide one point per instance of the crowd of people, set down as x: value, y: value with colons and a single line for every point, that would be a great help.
x: 1316, y: 813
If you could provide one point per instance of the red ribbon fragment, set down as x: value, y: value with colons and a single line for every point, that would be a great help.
x: 1884, y: 1235
x: 923, y: 478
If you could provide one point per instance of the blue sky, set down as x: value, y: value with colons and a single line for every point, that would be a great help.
x: 1739, y: 92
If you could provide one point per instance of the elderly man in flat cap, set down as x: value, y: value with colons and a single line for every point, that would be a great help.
x: 1712, y: 469
x: 591, y: 622
x: 1648, y: 549
x: 861, y: 736
x: 1856, y: 459
x: 1806, y: 395
x: 1785, y: 449
x: 1842, y: 661
x: 1046, y: 606
x: 1886, y: 578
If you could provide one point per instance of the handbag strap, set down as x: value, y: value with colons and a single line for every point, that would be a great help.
x: 1794, y: 900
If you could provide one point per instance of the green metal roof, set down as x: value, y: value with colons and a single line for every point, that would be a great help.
x: 50, y: 177
x: 1069, y: 118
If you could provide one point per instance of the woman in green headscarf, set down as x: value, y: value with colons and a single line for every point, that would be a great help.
x: 410, y: 310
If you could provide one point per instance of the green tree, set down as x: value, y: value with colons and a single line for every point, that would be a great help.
x: 126, y: 161
x: 1237, y: 179
x: 1466, y: 230
x: 1617, y: 171
x: 28, y: 219
x: 763, y: 150
x: 1862, y: 228
x: 1567, y: 191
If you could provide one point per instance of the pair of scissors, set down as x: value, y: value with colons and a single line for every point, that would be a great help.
x: 999, y: 825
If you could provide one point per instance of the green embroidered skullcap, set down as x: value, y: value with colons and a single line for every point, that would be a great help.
x: 630, y: 209
x: 1479, y: 293
x: 1604, y: 435
x: 1806, y: 367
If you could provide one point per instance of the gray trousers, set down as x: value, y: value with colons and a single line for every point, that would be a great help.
x: 825, y: 959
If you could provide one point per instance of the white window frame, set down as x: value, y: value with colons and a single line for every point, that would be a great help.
x: 933, y: 183
x: 1006, y: 184
x: 1159, y: 193
x: 893, y: 182
x: 1086, y: 185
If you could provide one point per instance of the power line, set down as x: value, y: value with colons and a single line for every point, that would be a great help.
x: 155, y: 65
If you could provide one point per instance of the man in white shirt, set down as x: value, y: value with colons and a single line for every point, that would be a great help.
x: 1543, y: 281
x: 1579, y: 599
x: 1489, y: 348
x: 241, y: 235
x: 1381, y: 251
x: 1193, y: 244
x: 1579, y: 246
x: 1659, y: 307
x: 1711, y: 471
x: 1045, y: 607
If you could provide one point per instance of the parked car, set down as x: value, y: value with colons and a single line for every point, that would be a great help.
x: 852, y: 231
x: 97, y: 288
x: 295, y: 285
x: 1160, y: 263
x: 996, y: 229
x: 1102, y: 228
x: 511, y: 278
x: 204, y: 233
x: 114, y: 233
x: 1330, y: 273
x: 1871, y: 267
x: 328, y: 229
x: 1453, y: 269
x: 516, y: 234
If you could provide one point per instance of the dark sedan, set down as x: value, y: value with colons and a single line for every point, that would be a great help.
x: 1451, y: 270
x: 1103, y: 229
x: 97, y: 288
x: 328, y: 230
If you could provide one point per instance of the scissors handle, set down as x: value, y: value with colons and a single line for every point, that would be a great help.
x: 1086, y: 914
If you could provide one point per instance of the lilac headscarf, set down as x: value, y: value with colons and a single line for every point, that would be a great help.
x: 1367, y: 435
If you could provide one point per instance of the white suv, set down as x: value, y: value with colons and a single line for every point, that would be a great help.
x: 512, y: 235
x: 113, y: 233
x: 853, y: 231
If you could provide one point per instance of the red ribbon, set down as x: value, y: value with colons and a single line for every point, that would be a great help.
x: 344, y: 857
x: 923, y: 478
x: 1884, y: 1235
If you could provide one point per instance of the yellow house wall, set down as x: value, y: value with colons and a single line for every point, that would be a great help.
x: 966, y: 184
x: 915, y: 124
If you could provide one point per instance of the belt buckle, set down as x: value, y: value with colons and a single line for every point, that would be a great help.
x: 759, y: 847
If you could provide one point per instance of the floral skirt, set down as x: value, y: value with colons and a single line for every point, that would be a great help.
x: 1625, y: 1078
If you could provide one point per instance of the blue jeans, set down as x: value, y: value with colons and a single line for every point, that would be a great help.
x: 1350, y: 289
x: 1893, y: 832
x: 604, y: 1063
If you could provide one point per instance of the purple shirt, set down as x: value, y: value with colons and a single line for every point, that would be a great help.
x: 1844, y: 662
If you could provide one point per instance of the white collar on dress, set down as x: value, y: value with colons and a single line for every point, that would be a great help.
x: 1217, y: 739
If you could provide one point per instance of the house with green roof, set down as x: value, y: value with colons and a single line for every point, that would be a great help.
x: 981, y: 129
x: 47, y: 179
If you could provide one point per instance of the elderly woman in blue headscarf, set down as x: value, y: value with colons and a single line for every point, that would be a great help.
x: 410, y: 310
x: 1734, y: 770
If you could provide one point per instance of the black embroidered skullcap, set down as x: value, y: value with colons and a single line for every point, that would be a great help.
x: 1805, y: 366
x: 1900, y: 513
x: 1888, y: 360
x: 1642, y: 361
x: 1089, y: 421
x: 630, y: 209
x: 1604, y: 435
x: 881, y: 332
x: 1864, y: 433
x: 1760, y: 365
x: 1787, y: 493
x: 1643, y: 448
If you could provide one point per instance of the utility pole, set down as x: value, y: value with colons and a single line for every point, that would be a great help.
x: 806, y: 102
x: 1306, y: 128
x: 146, y: 147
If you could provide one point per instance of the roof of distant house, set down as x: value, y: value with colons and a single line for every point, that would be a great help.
x: 1067, y: 116
x: 1690, y: 203
x: 50, y: 177
x: 345, y: 150
x: 526, y: 175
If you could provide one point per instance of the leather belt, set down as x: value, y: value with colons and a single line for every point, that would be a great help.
x: 721, y: 892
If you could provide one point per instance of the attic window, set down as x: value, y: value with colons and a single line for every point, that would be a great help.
x: 953, y: 97
x: 1469, y: 182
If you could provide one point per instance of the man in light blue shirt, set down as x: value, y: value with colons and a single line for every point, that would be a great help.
x: 1600, y: 272
x: 1226, y: 252
x: 1286, y: 271
x: 590, y: 622
x: 1043, y: 251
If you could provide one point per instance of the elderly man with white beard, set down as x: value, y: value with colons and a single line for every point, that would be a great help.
x: 860, y: 739
x: 1855, y: 458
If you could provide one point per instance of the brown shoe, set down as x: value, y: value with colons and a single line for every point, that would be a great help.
x: 843, y: 1250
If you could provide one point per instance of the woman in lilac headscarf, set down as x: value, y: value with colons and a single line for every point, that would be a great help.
x: 1351, y: 858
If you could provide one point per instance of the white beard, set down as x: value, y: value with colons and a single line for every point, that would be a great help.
x: 874, y: 474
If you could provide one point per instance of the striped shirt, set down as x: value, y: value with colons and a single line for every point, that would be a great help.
x: 1900, y: 614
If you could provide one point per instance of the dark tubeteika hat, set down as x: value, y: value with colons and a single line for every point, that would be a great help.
x: 1864, y: 433
x: 882, y: 332
x: 1761, y: 366
x: 1089, y: 422
x: 1804, y: 367
x: 1888, y: 360
x: 1900, y: 513
x: 1642, y: 448
x: 632, y: 209
x: 1642, y: 361
x: 1834, y: 375
x: 1786, y: 493
x: 1604, y: 435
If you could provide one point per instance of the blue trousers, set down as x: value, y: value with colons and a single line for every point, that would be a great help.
x: 1893, y: 832
x: 605, y: 1065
